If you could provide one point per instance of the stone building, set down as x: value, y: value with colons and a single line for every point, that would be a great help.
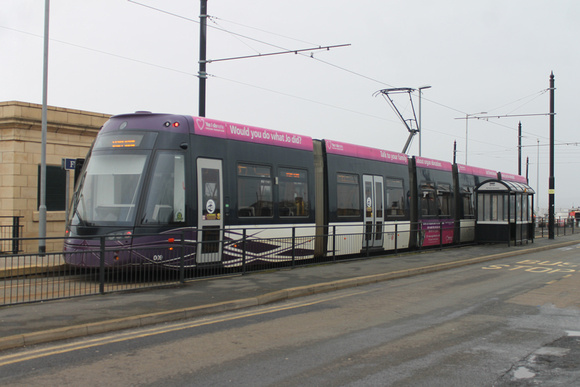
x: 70, y: 134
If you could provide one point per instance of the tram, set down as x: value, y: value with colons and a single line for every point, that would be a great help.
x: 219, y: 193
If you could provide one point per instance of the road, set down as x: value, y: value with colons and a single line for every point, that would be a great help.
x: 510, y: 322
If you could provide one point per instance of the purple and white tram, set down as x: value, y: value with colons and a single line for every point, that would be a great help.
x: 173, y: 190
x: 433, y: 211
x: 378, y: 179
x: 178, y: 182
x: 161, y: 186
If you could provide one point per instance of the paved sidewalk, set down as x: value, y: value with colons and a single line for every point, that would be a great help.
x: 29, y: 324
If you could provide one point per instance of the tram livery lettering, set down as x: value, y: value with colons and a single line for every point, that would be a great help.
x: 214, y: 128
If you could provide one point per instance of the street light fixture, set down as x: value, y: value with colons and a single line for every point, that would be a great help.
x: 419, y: 126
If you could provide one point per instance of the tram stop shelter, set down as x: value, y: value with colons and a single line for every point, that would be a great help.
x: 504, y: 212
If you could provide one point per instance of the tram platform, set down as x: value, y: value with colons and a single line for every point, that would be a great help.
x: 28, y: 324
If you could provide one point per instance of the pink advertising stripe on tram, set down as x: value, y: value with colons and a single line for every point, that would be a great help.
x: 232, y: 131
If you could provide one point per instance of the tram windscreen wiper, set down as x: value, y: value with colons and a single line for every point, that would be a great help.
x: 77, y: 214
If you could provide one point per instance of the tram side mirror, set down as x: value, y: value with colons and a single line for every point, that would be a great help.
x: 78, y: 166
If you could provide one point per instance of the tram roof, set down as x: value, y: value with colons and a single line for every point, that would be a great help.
x: 469, y: 170
x: 423, y: 162
x: 496, y: 185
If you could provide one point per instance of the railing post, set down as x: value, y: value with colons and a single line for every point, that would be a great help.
x: 15, y: 234
x: 244, y: 251
x: 293, y: 246
x: 440, y: 235
x: 367, y: 238
x: 334, y: 243
x: 182, y: 260
x: 102, y: 267
x: 396, y: 239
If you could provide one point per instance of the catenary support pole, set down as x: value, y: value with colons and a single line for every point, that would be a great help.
x: 520, y: 148
x: 552, y: 179
x: 202, y: 55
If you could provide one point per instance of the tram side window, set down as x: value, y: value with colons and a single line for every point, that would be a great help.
x: 166, y: 196
x: 347, y: 195
x: 428, y: 200
x: 254, y: 190
x: 444, y: 199
x: 293, y: 192
x: 395, y: 198
x: 467, y: 203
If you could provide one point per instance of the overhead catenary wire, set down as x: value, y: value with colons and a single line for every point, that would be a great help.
x: 270, y: 90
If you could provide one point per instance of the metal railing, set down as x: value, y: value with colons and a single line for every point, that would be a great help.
x: 28, y: 278
x: 561, y: 227
x: 10, y: 232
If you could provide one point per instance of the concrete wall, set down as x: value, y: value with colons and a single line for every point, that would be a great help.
x: 70, y: 134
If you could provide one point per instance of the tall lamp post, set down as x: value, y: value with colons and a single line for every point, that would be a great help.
x: 420, y: 131
x: 467, y: 130
x: 44, y: 125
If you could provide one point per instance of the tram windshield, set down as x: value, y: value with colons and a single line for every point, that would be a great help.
x: 109, y: 190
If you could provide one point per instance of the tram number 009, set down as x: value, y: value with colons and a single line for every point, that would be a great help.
x: 158, y: 258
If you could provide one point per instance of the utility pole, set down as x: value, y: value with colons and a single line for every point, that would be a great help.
x: 44, y: 129
x: 419, y: 126
x: 538, y: 176
x: 455, y: 152
x: 202, y: 55
x: 552, y: 179
x: 528, y: 169
x: 520, y: 148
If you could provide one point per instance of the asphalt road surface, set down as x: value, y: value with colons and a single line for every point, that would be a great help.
x: 510, y: 322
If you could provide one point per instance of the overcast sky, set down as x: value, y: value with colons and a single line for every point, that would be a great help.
x: 494, y: 56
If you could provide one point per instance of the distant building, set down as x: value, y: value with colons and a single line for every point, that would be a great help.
x: 70, y: 134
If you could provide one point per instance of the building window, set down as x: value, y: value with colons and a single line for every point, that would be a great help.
x: 55, y: 188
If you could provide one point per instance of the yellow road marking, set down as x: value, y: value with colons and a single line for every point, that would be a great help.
x: 119, y: 337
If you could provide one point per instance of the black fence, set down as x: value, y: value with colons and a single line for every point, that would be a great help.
x: 10, y: 233
x: 105, y: 267
x: 562, y: 227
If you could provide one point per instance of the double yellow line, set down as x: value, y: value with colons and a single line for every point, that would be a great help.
x: 32, y: 354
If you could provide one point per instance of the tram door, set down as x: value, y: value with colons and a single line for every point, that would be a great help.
x: 374, y: 211
x: 209, y: 204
